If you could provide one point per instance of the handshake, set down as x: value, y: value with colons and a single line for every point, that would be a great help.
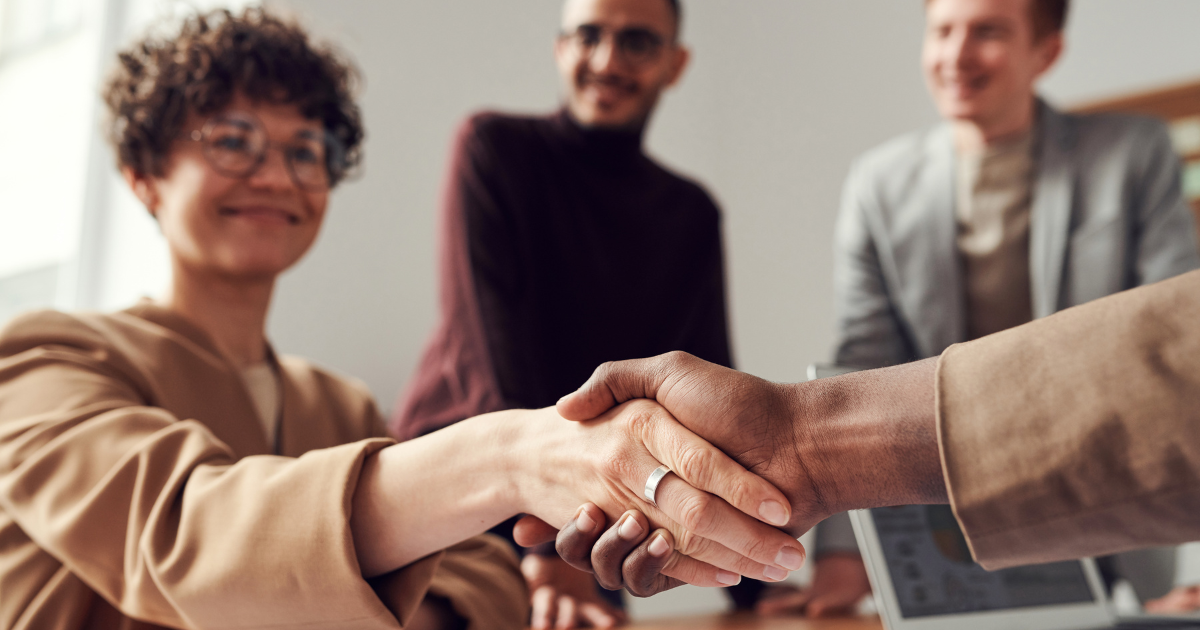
x: 735, y: 468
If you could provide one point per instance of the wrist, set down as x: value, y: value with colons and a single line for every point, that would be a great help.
x: 525, y: 449
x: 869, y: 439
x: 501, y: 468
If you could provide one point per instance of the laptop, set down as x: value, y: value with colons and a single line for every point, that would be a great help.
x: 924, y: 577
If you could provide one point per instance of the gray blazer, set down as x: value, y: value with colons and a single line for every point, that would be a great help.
x: 1108, y: 215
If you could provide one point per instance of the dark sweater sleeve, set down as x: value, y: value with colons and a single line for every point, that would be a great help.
x: 489, y: 203
x: 708, y: 325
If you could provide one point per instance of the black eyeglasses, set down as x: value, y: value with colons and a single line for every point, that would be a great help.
x: 635, y: 45
x: 236, y: 145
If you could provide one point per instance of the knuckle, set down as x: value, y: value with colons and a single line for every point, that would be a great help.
x: 612, y: 464
x: 605, y: 370
x: 625, y: 470
x: 695, y: 464
x: 690, y: 544
x: 615, y: 462
x: 641, y: 584
x: 676, y: 357
x: 608, y: 582
x: 742, y: 489
x: 570, y: 551
x: 756, y: 547
x: 696, y: 512
x: 639, y: 415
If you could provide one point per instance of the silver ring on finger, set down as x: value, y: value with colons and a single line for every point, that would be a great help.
x: 653, y: 481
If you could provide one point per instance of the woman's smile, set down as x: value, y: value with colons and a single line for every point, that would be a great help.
x: 261, y: 214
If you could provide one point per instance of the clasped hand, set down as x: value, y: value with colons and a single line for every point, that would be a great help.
x: 857, y: 441
x: 719, y: 520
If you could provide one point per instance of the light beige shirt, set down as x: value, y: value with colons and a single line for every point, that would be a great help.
x: 994, y: 196
x: 263, y: 386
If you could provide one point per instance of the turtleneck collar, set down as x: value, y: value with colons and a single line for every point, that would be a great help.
x: 615, y: 146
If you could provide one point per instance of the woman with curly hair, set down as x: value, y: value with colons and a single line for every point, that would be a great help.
x: 163, y: 466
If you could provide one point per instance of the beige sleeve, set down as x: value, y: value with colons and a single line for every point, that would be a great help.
x: 482, y: 579
x: 1078, y: 434
x: 157, y: 516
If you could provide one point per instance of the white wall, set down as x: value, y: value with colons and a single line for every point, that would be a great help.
x: 1118, y: 46
x: 41, y: 183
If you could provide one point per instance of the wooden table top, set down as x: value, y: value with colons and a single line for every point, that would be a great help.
x: 752, y: 622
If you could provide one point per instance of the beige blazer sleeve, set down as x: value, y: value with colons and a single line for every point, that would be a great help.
x: 1077, y: 434
x: 159, y: 517
x: 480, y: 578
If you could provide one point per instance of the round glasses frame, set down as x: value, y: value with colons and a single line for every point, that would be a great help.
x: 635, y: 46
x: 236, y: 145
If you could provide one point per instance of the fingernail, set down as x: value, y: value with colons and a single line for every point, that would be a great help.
x: 727, y: 578
x: 790, y: 558
x: 659, y: 547
x: 584, y: 523
x: 774, y: 573
x: 560, y: 400
x: 774, y: 513
x: 629, y: 529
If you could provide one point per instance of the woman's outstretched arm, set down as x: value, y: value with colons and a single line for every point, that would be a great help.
x: 420, y: 496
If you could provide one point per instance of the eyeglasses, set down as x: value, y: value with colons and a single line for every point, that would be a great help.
x: 236, y: 145
x: 636, y: 46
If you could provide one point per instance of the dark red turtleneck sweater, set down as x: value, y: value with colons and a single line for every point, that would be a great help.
x: 561, y: 248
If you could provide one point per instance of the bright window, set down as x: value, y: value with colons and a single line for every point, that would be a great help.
x: 47, y: 103
x: 27, y: 24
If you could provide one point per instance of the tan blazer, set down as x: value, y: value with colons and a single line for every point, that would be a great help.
x: 136, y: 484
x: 1078, y: 434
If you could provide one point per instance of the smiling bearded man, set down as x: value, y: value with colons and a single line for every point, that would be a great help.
x: 547, y: 224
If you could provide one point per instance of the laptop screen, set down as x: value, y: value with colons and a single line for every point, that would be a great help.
x: 933, y: 574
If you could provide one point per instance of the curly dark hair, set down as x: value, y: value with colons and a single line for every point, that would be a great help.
x: 159, y: 81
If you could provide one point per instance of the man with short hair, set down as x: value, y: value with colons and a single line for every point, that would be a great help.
x: 549, y: 222
x: 1007, y: 212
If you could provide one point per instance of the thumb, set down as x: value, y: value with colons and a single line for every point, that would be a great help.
x: 531, y: 531
x: 618, y: 381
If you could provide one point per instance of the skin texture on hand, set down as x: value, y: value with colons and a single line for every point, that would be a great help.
x: 746, y: 417
x: 839, y: 584
x: 628, y: 554
x: 564, y: 597
x: 408, y: 503
x: 1182, y: 599
x: 615, y: 454
x: 627, y: 557
x: 866, y: 439
x: 861, y: 440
